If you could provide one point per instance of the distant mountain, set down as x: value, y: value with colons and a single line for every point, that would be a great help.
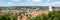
x: 20, y: 6
x: 27, y: 6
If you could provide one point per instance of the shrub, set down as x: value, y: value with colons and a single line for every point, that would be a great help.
x: 35, y: 18
x: 4, y: 17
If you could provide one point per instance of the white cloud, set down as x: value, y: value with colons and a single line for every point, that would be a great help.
x: 9, y: 2
x: 48, y: 0
x: 1, y: 0
x: 56, y: 4
x: 29, y: 0
x: 16, y: 0
x: 36, y: 0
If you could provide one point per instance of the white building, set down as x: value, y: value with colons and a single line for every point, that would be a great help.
x: 50, y: 8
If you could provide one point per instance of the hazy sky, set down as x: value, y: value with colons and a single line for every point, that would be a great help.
x: 29, y: 2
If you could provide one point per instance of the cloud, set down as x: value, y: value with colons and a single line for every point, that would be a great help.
x: 56, y: 4
x: 16, y: 0
x: 29, y: 0
x: 9, y: 2
x: 36, y: 0
x: 1, y: 0
x: 48, y: 0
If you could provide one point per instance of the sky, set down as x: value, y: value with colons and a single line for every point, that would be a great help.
x: 29, y: 2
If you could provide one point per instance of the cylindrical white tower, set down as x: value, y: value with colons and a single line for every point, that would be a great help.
x: 50, y: 8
